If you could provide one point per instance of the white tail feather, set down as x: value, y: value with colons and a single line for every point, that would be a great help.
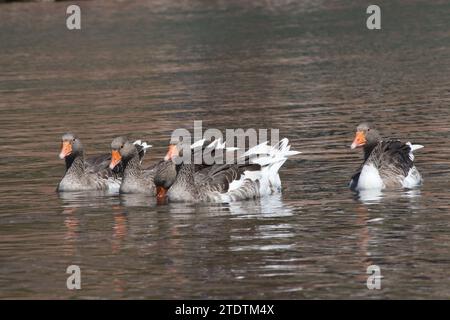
x: 271, y: 154
x: 198, y: 143
x: 216, y: 144
x: 144, y: 145
x: 213, y: 144
x: 270, y: 158
x: 413, y: 148
x: 261, y: 148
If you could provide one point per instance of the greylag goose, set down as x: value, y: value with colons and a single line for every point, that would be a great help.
x: 135, y: 178
x: 91, y: 173
x: 254, y: 177
x: 166, y: 172
x: 387, y: 163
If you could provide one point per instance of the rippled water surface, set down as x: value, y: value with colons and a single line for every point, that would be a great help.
x: 308, y: 68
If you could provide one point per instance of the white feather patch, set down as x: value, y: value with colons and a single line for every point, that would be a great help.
x: 198, y: 143
x: 370, y: 178
x: 413, y: 179
x: 270, y: 158
x: 113, y: 184
x: 413, y: 148
x: 144, y: 144
x: 252, y: 175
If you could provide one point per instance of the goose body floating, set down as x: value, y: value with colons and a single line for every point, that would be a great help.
x: 135, y: 179
x: 154, y: 180
x: 253, y: 177
x: 387, y: 163
x: 92, y: 173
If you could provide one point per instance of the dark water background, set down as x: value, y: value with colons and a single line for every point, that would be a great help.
x: 308, y: 68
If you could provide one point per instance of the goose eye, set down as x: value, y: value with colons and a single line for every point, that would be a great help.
x: 73, y: 139
x: 368, y: 130
x: 121, y: 147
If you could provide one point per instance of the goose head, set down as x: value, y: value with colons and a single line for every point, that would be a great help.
x: 366, y: 135
x: 122, y: 150
x: 70, y: 146
x: 178, y: 148
x: 165, y: 174
x: 168, y: 169
x: 165, y: 177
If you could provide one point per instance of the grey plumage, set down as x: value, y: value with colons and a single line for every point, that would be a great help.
x: 90, y: 174
x: 135, y: 178
x: 393, y: 160
x: 212, y: 184
x: 255, y: 174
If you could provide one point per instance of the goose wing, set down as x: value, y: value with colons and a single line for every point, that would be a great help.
x: 219, y: 178
x: 393, y: 158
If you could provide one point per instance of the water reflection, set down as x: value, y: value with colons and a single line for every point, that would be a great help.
x: 370, y: 196
x: 137, y: 200
x: 82, y: 199
x: 120, y: 230
x: 412, y: 193
x: 266, y: 207
x: 376, y: 196
x: 72, y: 224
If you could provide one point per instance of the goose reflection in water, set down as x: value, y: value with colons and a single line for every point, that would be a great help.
x: 137, y: 200
x: 376, y: 196
x: 83, y: 199
x: 269, y: 206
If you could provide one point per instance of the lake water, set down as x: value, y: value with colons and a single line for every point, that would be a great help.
x: 308, y: 68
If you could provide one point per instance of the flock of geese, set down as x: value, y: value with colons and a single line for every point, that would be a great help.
x: 387, y: 164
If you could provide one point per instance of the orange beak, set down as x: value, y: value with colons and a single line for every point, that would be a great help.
x: 360, y: 140
x: 115, y: 159
x: 161, y: 193
x: 173, y: 151
x: 66, y: 149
